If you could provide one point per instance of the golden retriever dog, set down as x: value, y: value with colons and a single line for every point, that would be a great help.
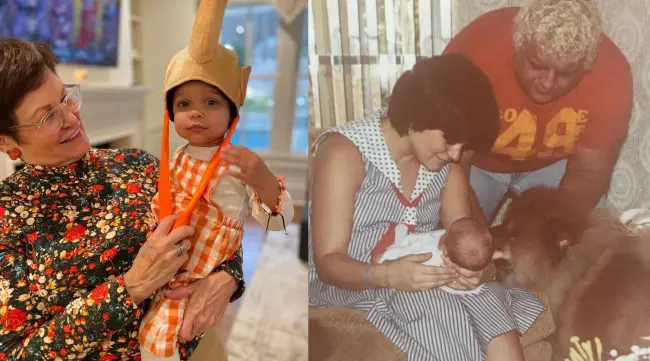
x: 595, y: 273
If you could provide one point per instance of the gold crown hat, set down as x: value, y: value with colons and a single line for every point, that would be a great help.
x: 207, y: 60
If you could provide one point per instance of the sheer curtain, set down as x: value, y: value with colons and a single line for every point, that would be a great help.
x: 358, y: 48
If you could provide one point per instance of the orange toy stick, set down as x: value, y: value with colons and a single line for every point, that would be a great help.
x: 164, y: 186
x: 184, y: 218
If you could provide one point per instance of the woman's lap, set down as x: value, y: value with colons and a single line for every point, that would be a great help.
x: 456, y: 326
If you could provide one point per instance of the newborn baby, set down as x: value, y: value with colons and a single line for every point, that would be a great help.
x: 467, y: 243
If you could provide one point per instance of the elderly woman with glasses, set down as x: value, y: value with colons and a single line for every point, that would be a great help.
x: 80, y: 252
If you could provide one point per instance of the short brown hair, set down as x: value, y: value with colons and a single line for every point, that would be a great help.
x: 23, y: 67
x: 448, y: 93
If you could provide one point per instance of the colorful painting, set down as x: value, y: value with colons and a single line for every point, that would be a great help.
x: 79, y: 31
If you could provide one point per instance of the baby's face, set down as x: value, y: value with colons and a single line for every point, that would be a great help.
x: 201, y: 114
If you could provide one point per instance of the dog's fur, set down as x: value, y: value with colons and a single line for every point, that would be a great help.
x: 595, y: 274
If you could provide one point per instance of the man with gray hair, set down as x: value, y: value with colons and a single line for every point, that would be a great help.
x: 565, y: 96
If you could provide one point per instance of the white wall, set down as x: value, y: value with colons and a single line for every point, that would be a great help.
x: 122, y: 75
x: 165, y: 30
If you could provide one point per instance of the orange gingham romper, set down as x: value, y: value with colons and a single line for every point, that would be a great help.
x: 216, y: 237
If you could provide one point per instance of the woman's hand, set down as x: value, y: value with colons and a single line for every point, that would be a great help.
x: 208, y: 299
x: 409, y: 274
x: 469, y: 280
x: 158, y: 260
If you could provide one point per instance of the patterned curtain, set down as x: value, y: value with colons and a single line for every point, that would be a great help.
x: 358, y: 48
x: 626, y: 23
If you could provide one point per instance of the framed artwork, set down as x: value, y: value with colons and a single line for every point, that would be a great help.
x: 79, y: 31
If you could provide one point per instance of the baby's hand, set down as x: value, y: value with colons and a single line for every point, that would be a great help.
x: 247, y: 166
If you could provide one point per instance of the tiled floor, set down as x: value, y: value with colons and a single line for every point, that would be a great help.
x: 271, y: 324
x: 253, y: 241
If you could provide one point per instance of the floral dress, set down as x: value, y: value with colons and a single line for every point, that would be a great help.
x: 67, y: 236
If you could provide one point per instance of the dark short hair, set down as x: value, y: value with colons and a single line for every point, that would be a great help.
x: 169, y: 102
x: 448, y: 93
x: 23, y: 67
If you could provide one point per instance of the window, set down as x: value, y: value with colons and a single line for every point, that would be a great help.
x: 301, y: 120
x: 252, y: 31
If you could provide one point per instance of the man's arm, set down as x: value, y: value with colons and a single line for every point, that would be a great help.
x: 463, y: 188
x: 589, y: 172
x: 590, y: 167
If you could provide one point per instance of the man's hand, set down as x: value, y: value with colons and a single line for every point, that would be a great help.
x: 208, y: 299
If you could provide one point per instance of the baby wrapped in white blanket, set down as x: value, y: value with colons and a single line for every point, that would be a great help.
x: 467, y: 243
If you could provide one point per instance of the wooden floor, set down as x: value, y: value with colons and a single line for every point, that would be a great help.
x: 252, y: 244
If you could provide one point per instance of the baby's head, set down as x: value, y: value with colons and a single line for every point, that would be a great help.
x: 468, y: 244
x: 201, y: 112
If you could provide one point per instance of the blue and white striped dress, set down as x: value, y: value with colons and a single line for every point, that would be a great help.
x: 430, y: 324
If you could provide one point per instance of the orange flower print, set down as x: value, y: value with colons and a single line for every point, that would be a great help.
x: 96, y: 188
x: 32, y: 237
x: 133, y: 188
x: 75, y: 233
x: 99, y: 293
x: 13, y: 319
x: 108, y: 255
x: 56, y: 309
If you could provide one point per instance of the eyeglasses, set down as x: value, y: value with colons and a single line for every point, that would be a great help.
x: 53, y: 119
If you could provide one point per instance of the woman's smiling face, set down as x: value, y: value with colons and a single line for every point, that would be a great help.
x: 61, y: 138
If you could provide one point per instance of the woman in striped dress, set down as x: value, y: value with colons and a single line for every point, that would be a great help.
x: 406, y: 166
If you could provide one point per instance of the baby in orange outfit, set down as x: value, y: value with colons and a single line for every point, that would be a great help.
x: 204, y: 89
